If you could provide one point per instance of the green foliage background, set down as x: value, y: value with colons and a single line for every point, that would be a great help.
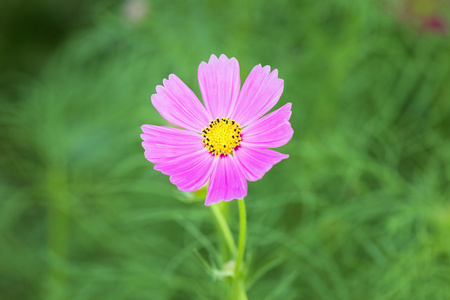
x: 360, y: 210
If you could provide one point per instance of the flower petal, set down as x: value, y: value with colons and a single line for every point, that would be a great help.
x: 178, y: 153
x: 271, y: 131
x: 227, y: 181
x: 178, y: 104
x: 189, y: 172
x: 261, y: 91
x: 219, y: 81
x: 255, y: 162
x: 162, y: 143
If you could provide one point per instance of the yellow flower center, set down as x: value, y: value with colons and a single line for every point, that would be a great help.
x: 221, y: 136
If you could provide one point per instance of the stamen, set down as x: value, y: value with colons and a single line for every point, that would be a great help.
x: 221, y: 136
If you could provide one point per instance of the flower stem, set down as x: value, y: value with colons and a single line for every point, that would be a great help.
x: 58, y: 233
x: 239, y: 286
x: 224, y: 227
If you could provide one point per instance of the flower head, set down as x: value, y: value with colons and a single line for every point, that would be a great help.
x: 227, y: 141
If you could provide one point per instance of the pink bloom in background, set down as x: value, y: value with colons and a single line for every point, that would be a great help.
x: 435, y: 24
x: 426, y: 15
x: 227, y: 141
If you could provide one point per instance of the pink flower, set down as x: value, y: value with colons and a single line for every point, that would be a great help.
x: 226, y: 141
x: 426, y: 15
x: 434, y: 23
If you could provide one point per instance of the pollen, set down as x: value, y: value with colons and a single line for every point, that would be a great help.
x: 221, y: 136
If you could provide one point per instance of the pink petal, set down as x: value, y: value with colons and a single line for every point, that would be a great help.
x: 163, y: 143
x: 219, y: 82
x: 271, y: 131
x: 261, y: 91
x: 227, y: 181
x: 255, y: 162
x: 179, y: 105
x: 178, y: 153
x: 189, y: 172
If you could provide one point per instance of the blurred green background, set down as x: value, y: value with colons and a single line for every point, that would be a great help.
x: 360, y: 210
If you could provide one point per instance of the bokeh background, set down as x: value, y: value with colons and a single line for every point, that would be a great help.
x: 360, y: 210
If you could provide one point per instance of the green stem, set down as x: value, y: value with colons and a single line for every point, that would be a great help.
x: 239, y: 287
x: 224, y: 227
x: 58, y: 232
x: 241, y: 294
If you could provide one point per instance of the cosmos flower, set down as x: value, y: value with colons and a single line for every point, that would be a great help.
x: 227, y: 141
